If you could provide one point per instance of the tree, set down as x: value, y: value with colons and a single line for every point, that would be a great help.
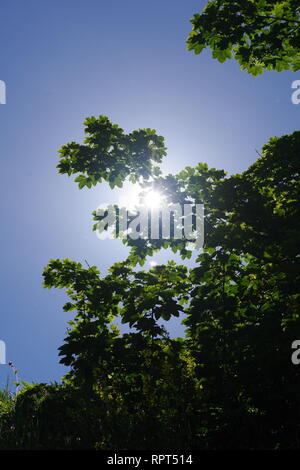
x: 109, y: 154
x: 259, y: 34
x: 229, y: 383
x: 240, y: 305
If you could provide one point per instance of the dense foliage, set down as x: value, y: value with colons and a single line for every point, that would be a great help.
x: 229, y: 383
x: 109, y: 154
x: 259, y: 34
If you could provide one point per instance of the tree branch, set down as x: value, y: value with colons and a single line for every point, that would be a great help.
x: 280, y: 19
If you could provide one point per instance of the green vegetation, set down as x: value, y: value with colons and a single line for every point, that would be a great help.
x: 229, y: 383
x: 259, y: 34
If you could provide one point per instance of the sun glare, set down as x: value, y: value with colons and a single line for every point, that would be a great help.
x: 152, y: 199
x: 133, y: 197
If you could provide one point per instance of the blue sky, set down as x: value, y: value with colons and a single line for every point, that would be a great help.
x: 65, y: 60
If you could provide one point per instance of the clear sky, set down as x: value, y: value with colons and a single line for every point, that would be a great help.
x: 65, y: 60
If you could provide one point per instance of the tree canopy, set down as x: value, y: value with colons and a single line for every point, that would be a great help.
x: 259, y: 34
x: 108, y: 154
x: 229, y: 382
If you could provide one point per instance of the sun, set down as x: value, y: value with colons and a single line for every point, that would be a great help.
x: 134, y: 196
x: 153, y: 199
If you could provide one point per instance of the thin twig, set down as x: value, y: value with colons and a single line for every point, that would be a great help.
x: 280, y: 19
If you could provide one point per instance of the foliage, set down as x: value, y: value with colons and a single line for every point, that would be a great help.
x: 229, y: 383
x: 259, y: 34
x: 108, y: 154
x: 45, y: 416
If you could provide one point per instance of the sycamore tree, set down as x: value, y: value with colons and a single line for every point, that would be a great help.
x: 259, y: 34
x: 229, y: 382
